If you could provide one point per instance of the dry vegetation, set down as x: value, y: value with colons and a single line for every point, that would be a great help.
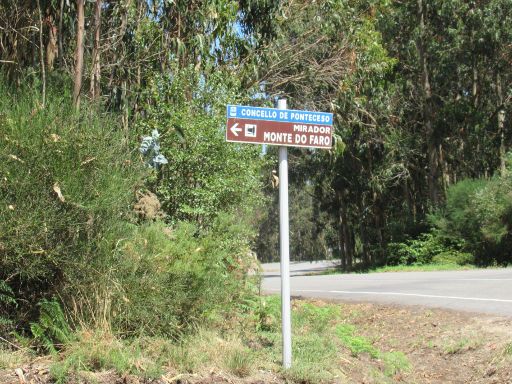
x: 333, y: 343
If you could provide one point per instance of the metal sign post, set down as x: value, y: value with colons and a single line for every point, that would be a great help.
x: 285, y: 128
x: 284, y: 241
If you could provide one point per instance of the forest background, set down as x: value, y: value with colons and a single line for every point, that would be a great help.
x: 420, y: 173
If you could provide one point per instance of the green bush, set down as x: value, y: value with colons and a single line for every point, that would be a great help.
x: 479, y: 213
x: 454, y: 257
x: 67, y: 228
x: 52, y: 327
x: 457, y: 219
x: 415, y: 251
x: 169, y: 280
x: 66, y: 180
x: 205, y: 175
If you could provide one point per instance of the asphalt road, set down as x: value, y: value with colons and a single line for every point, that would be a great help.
x: 480, y: 291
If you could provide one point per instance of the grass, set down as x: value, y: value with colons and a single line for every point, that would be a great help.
x: 92, y: 352
x: 10, y: 359
x: 460, y: 346
x: 240, y: 362
x: 250, y: 346
x: 423, y: 268
x: 394, y: 362
x: 399, y: 268
x: 507, y: 351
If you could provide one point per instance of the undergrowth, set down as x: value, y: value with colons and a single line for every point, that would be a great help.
x: 75, y: 255
x: 66, y: 183
x: 250, y: 344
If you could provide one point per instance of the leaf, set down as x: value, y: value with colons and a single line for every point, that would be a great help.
x: 339, y: 145
x: 14, y: 157
x: 88, y: 160
x: 56, y: 189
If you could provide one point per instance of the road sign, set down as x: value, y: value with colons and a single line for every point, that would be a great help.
x: 286, y: 128
x: 283, y: 127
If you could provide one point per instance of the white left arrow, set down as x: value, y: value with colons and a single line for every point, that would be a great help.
x: 235, y: 129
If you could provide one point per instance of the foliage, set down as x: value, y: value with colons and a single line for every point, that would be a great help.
x: 68, y: 230
x: 423, y: 268
x: 10, y: 359
x: 356, y: 344
x: 205, y: 175
x: 394, y: 362
x: 240, y: 362
x: 7, y: 300
x: 420, y: 92
x: 454, y: 257
x: 415, y: 251
x: 242, y: 348
x: 430, y: 247
x: 93, y: 351
x: 457, y: 217
x: 171, y: 279
x: 413, y: 120
x: 460, y: 346
x: 314, y: 348
x: 479, y: 212
x: 311, y: 233
x: 319, y: 330
x: 52, y: 328
x: 66, y: 180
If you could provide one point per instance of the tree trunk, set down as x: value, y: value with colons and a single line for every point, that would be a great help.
x: 364, y: 243
x: 432, y: 153
x: 363, y: 231
x: 474, y: 90
x: 61, y: 48
x: 79, y: 56
x: 501, y: 126
x: 407, y: 197
x: 95, y: 89
x: 41, y: 54
x: 348, y: 244
x: 341, y: 234
x: 444, y: 168
x: 52, y: 51
x: 379, y: 258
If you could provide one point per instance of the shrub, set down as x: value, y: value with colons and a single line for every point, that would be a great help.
x: 457, y: 220
x: 479, y: 212
x: 205, y: 174
x: 66, y: 180
x: 169, y: 280
x: 67, y: 226
x: 415, y: 251
x: 52, y: 327
x: 454, y: 257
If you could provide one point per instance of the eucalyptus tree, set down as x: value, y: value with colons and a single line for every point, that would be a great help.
x: 328, y: 56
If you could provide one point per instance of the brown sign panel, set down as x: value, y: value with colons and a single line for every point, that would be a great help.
x: 279, y: 133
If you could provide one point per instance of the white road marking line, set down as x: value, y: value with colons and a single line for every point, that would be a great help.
x: 422, y: 295
x: 489, y: 279
x: 399, y: 294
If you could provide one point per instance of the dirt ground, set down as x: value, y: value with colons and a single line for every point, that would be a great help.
x: 441, y: 346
